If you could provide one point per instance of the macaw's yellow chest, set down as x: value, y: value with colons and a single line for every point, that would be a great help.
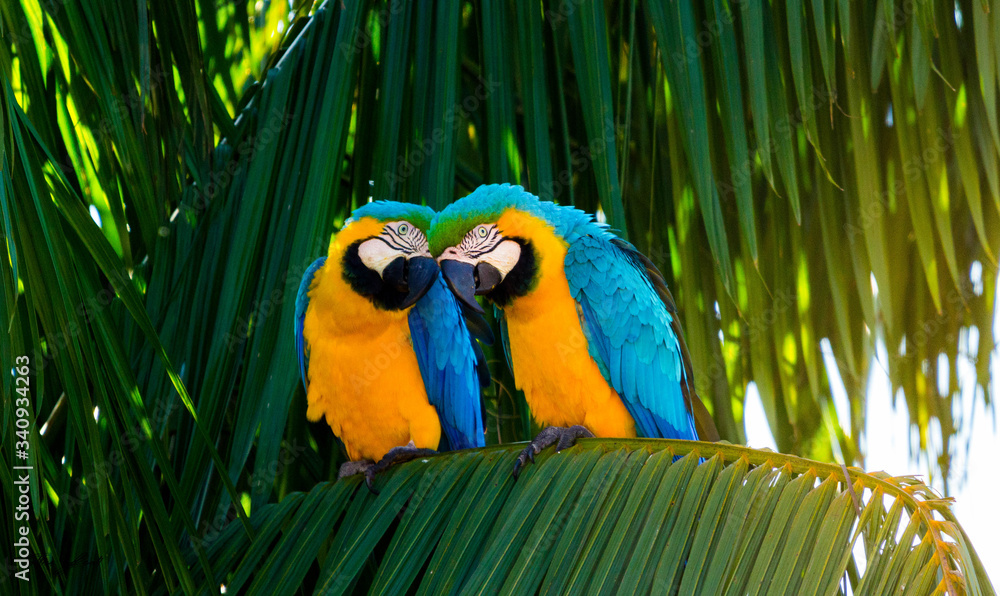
x: 363, y: 374
x: 552, y: 365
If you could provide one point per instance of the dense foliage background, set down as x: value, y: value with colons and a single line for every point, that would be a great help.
x: 802, y: 173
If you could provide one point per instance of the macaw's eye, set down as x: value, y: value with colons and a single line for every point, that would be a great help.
x: 482, y: 231
x: 403, y: 229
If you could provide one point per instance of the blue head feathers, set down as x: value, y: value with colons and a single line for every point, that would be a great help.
x: 487, y: 203
x: 418, y: 215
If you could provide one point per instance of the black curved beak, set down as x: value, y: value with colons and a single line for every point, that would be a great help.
x: 487, y: 278
x: 422, y: 272
x: 467, y: 281
x: 461, y: 278
x: 412, y: 277
x: 394, y: 275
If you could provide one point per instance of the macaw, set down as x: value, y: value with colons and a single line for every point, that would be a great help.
x: 588, y: 323
x: 384, y: 351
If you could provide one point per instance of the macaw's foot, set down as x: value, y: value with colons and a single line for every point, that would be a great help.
x: 561, y: 437
x: 350, y: 468
x: 396, y: 455
x: 362, y: 466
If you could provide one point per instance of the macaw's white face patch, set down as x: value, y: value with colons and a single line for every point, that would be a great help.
x: 485, y: 244
x: 397, y: 239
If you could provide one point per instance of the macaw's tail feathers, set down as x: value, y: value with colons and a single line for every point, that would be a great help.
x: 452, y: 440
x: 482, y: 367
x: 477, y: 325
x: 703, y: 421
x: 479, y: 330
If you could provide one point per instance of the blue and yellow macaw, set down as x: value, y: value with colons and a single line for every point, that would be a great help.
x: 588, y: 323
x: 384, y: 352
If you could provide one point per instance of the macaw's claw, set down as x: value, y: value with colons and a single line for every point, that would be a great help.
x: 396, y: 455
x: 370, y: 480
x: 370, y: 469
x: 350, y: 468
x: 528, y: 454
x: 363, y: 466
x: 561, y: 437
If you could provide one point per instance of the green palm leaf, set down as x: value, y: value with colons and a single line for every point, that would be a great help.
x: 608, y: 515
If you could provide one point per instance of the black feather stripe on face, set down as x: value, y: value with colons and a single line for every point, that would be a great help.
x: 405, y: 237
x: 521, y: 279
x: 475, y: 246
x: 369, y: 283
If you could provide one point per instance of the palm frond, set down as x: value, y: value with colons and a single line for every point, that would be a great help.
x: 608, y: 515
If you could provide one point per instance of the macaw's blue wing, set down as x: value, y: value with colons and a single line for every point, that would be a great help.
x: 632, y: 335
x: 448, y: 363
x: 301, y: 304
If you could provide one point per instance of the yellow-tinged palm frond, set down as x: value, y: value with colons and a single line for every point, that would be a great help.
x: 626, y: 516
